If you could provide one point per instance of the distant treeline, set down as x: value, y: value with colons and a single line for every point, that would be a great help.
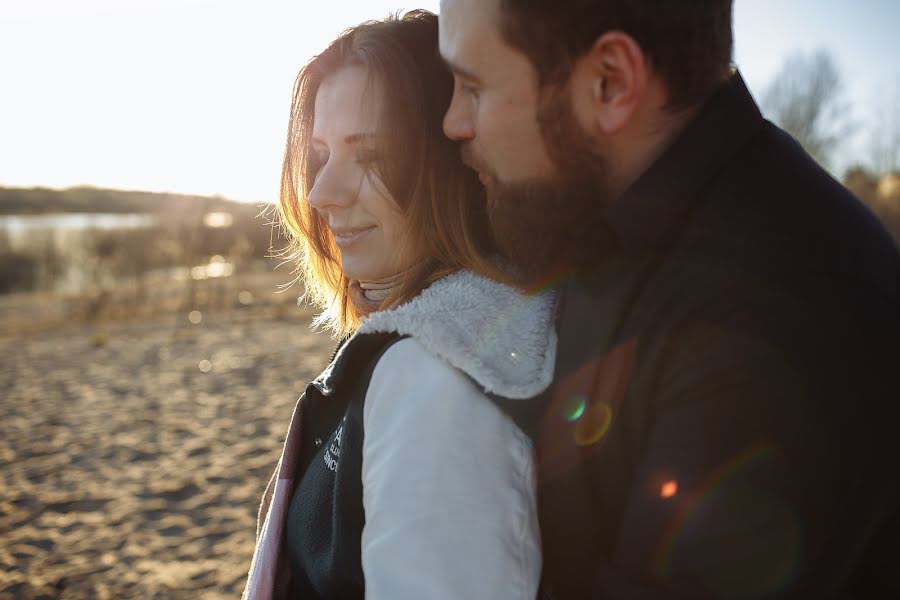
x: 186, y: 231
x: 184, y: 235
x: 881, y: 193
x: 36, y: 201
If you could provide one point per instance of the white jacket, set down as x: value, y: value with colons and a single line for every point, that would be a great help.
x: 443, y: 467
x: 448, y: 479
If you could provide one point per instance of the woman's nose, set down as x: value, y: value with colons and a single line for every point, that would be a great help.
x: 333, y: 188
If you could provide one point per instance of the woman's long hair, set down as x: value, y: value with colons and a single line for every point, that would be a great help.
x: 441, y: 199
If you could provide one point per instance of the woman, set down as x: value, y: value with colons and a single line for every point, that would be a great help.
x: 399, y: 477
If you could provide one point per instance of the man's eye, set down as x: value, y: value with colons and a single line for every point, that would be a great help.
x: 462, y: 87
x: 468, y: 90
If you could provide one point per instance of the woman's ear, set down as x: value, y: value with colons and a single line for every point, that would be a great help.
x: 609, y: 82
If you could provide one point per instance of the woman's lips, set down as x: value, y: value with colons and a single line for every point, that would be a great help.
x: 347, y: 236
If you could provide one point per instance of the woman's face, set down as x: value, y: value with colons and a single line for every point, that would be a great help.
x: 347, y: 191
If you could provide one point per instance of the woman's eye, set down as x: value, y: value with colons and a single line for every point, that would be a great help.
x: 316, y: 158
x: 315, y: 162
x: 366, y: 156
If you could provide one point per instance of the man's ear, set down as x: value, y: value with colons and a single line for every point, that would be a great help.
x: 609, y: 82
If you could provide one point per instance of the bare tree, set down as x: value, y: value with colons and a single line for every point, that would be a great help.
x: 806, y: 99
x: 884, y: 140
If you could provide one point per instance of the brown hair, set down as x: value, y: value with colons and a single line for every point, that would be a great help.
x: 441, y: 199
x: 688, y: 42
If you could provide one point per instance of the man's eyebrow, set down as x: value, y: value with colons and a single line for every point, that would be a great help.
x: 460, y: 71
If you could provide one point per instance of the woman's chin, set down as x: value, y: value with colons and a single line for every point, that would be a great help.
x: 357, y: 270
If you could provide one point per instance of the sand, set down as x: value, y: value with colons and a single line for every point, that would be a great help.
x: 130, y: 467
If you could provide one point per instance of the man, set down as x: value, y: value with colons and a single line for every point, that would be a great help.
x: 722, y: 419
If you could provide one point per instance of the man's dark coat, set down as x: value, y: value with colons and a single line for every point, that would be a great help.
x: 724, y: 419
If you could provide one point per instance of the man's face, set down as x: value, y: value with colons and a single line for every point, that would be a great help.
x: 545, y: 214
x: 495, y: 97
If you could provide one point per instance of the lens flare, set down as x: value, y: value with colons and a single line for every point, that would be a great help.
x: 593, y: 424
x: 768, y: 562
x: 574, y: 407
x: 668, y: 489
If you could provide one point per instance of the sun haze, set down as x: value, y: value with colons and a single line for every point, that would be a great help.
x: 192, y: 96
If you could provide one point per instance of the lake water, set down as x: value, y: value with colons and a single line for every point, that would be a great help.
x: 63, y: 240
x: 75, y: 221
x: 65, y: 230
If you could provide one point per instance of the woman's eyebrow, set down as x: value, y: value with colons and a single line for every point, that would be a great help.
x: 353, y: 138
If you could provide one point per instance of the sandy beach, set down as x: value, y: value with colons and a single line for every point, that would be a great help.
x: 133, y: 452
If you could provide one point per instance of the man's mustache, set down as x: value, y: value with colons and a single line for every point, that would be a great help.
x: 470, y: 159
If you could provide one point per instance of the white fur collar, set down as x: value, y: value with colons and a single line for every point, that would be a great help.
x: 502, y: 338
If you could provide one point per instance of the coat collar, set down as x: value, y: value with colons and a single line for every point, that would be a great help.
x: 503, y: 339
x: 653, y: 207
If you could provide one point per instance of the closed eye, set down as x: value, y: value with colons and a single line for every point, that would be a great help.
x: 316, y: 159
x: 318, y: 151
x: 465, y: 87
x: 366, y: 156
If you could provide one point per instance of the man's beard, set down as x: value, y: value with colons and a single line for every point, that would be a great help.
x: 548, y: 228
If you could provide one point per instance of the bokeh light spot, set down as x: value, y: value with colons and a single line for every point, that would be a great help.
x: 245, y: 297
x: 195, y: 317
x: 668, y: 489
x: 574, y: 407
x: 593, y: 424
x: 205, y: 366
x: 218, y: 219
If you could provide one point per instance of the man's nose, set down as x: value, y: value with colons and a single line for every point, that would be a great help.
x: 458, y: 123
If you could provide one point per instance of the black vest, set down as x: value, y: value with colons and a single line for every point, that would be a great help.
x: 325, y: 516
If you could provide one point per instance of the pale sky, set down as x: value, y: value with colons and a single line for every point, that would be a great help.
x: 192, y: 96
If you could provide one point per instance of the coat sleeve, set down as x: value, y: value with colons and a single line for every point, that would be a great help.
x: 448, y: 487
x: 769, y: 470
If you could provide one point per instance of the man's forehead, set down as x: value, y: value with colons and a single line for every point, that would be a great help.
x: 463, y: 7
x: 464, y: 24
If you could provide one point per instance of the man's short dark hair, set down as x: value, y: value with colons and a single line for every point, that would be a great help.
x: 688, y: 42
